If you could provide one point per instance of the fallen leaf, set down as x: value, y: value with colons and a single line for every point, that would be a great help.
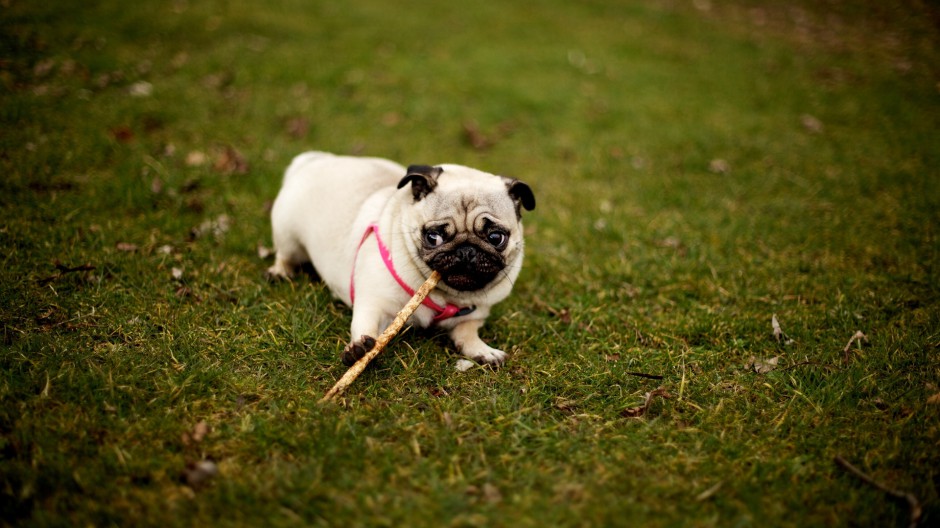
x: 184, y: 291
x: 719, y: 166
x: 438, y: 392
x: 811, y: 124
x: 126, y: 247
x: 196, y: 434
x: 218, y: 80
x: 564, y: 404
x: 568, y: 492
x: 464, y: 365
x: 230, y: 161
x: 140, y: 89
x: 122, y: 133
x: 670, y: 242
x: 196, y: 158
x: 197, y: 474
x: 216, y: 227
x: 763, y: 366
x: 43, y: 67
x: 611, y: 357
x: 779, y: 334
x: 934, y: 400
x: 639, y: 411
x: 491, y: 493
x: 200, y: 430
x: 857, y: 337
x: 297, y: 127
x: 476, y: 138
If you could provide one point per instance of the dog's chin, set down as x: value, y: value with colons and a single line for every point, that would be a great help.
x: 467, y: 281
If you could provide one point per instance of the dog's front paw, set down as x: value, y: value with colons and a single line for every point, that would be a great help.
x: 280, y: 271
x: 355, y: 350
x: 484, y: 354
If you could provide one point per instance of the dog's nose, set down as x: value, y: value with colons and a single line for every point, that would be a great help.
x: 466, y: 253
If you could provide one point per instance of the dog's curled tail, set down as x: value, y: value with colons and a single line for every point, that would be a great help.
x: 303, y: 159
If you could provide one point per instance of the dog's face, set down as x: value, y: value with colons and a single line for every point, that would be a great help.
x: 466, y: 224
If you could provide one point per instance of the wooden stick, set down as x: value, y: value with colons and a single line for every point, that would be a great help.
x: 915, y: 507
x: 384, y: 338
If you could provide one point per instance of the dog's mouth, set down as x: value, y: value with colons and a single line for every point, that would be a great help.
x: 467, y: 281
x: 466, y: 268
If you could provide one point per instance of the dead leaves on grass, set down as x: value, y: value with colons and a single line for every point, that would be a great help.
x: 779, y: 335
x: 762, y: 366
x: 811, y: 124
x: 488, y: 493
x: 475, y: 137
x: 641, y: 410
x: 197, y: 473
x: 229, y: 161
x: 217, y: 227
x: 935, y: 399
x: 196, y: 434
x: 297, y: 127
x: 126, y: 247
x: 847, y: 351
x: 766, y: 365
x: 225, y: 159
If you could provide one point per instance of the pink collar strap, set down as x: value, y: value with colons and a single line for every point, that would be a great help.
x: 445, y: 312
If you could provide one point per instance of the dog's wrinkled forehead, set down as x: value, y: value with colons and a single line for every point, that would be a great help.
x: 470, y: 198
x: 449, y: 190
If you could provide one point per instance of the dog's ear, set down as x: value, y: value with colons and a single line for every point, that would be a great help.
x: 520, y: 193
x: 423, y: 180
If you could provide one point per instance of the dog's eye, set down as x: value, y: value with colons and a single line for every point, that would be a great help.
x: 433, y: 238
x: 497, y: 239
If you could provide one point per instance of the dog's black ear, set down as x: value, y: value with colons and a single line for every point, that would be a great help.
x: 521, y: 193
x: 423, y: 180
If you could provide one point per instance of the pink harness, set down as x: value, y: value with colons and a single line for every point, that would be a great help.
x: 442, y: 313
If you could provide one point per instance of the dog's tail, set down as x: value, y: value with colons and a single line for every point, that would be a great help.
x: 302, y: 160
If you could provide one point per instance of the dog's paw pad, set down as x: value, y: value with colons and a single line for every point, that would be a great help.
x: 355, y: 350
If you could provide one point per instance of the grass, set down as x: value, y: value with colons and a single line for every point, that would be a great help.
x: 699, y: 168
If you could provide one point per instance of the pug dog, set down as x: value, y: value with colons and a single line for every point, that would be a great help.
x: 374, y: 231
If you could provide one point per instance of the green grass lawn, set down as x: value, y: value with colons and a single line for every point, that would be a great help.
x: 701, y: 169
